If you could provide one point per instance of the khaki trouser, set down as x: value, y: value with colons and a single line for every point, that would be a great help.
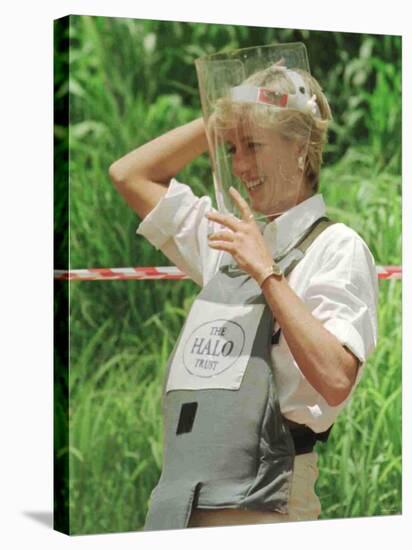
x: 304, y: 504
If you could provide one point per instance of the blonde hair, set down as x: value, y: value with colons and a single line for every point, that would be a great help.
x: 291, y: 124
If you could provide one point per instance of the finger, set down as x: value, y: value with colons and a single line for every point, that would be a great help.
x: 231, y: 222
x: 243, y: 206
x: 221, y: 236
x: 222, y: 245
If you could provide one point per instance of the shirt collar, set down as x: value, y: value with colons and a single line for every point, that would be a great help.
x: 284, y: 231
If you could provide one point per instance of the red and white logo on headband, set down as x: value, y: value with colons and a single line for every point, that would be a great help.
x: 272, y: 98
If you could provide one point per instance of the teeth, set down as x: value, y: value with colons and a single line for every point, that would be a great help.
x: 255, y: 183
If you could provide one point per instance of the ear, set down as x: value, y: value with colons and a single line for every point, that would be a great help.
x: 301, y: 153
x: 303, y: 149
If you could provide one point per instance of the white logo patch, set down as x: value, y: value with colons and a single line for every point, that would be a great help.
x: 215, y: 346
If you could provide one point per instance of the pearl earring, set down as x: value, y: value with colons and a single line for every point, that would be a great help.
x: 300, y: 163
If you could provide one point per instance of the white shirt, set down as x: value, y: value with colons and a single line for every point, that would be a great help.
x: 336, y: 280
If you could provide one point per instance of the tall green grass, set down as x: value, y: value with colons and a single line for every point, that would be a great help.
x: 130, y: 81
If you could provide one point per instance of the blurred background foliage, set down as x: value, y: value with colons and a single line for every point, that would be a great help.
x: 127, y: 81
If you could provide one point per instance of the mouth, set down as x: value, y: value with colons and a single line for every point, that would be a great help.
x: 252, y: 185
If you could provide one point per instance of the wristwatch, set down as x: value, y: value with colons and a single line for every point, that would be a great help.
x: 274, y: 270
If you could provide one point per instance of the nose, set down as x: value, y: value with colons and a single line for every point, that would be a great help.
x: 241, y: 164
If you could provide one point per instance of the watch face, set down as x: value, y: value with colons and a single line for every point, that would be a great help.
x: 276, y: 269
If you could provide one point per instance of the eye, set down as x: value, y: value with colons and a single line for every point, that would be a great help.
x: 230, y: 149
x: 254, y: 145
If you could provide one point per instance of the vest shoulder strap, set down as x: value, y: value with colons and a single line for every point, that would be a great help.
x: 298, y: 430
x: 306, y: 240
x: 313, y: 232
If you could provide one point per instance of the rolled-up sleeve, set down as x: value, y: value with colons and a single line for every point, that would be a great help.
x: 343, y: 295
x: 178, y: 227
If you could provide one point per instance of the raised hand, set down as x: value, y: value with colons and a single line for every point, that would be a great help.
x: 242, y: 238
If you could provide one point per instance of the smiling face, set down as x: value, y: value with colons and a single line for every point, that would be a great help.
x: 268, y: 168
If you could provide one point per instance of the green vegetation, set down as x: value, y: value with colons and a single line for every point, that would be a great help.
x: 131, y: 80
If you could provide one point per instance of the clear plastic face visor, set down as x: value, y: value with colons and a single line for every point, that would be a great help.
x: 259, y: 113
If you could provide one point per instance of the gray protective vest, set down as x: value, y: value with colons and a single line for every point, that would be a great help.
x: 226, y: 443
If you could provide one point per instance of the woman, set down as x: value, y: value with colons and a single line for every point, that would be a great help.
x: 321, y: 297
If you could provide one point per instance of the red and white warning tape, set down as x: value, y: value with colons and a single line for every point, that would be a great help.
x: 389, y: 271
x: 128, y: 273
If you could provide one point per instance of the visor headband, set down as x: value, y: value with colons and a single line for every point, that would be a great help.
x: 300, y: 100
